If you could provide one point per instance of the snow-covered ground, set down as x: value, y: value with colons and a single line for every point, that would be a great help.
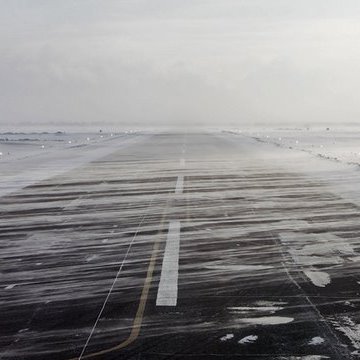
x: 269, y: 257
x: 20, y: 145
x: 26, y: 158
x: 328, y: 154
x: 337, y: 144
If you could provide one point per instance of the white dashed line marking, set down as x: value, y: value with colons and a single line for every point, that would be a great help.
x: 179, y: 185
x: 168, y: 286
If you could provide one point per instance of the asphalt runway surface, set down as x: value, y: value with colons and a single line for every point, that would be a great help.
x: 181, y: 246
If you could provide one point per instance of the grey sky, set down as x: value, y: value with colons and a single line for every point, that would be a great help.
x: 167, y: 62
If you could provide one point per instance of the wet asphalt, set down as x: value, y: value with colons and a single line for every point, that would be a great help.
x: 81, y: 258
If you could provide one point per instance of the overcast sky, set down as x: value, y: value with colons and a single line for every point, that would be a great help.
x: 171, y: 62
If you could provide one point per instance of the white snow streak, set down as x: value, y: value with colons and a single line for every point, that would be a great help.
x: 248, y: 339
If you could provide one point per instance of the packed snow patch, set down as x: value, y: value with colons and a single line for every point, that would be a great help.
x: 317, y: 340
x: 310, y: 250
x: 248, y: 339
x: 268, y: 320
x: 247, y: 309
x: 318, y: 278
x: 239, y: 267
x: 227, y: 337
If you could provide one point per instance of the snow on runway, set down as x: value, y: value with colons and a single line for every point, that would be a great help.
x: 246, y: 257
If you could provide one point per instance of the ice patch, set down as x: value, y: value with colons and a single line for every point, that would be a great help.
x: 227, y: 337
x: 248, y: 339
x: 268, y: 320
x: 317, y: 340
x: 318, y: 278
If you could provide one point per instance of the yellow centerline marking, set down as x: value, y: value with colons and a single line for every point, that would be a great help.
x: 136, y: 327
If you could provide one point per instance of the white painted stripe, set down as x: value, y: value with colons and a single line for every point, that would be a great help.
x: 168, y: 286
x: 182, y: 162
x: 179, y: 185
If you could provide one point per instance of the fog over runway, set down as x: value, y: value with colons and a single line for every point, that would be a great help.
x: 178, y: 246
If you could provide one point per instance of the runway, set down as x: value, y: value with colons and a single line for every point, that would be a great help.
x: 180, y: 246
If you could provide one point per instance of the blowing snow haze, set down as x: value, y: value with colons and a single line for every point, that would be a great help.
x: 161, y: 62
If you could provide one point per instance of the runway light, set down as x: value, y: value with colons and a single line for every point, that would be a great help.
x: 43, y: 146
